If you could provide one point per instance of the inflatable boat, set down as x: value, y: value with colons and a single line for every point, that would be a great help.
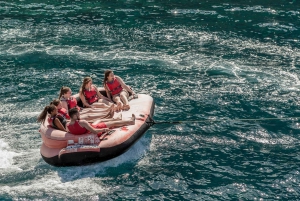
x: 61, y: 148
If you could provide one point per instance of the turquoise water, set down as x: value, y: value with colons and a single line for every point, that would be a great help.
x: 220, y: 60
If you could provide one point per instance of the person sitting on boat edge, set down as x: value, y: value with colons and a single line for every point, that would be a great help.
x: 56, y: 121
x: 79, y: 127
x: 90, y: 95
x: 69, y: 102
x: 117, y: 90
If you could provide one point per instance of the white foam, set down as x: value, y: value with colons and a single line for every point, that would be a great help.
x: 264, y: 137
x: 6, y: 156
x: 51, y: 184
x: 133, y: 154
x: 69, y: 182
x: 192, y: 11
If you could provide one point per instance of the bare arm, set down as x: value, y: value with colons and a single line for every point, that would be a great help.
x: 86, y: 125
x: 98, y: 93
x: 65, y: 105
x: 59, y: 125
x: 124, y: 86
x: 84, y: 102
x: 101, y: 96
x: 108, y: 93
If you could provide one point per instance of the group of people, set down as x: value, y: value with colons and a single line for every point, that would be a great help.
x: 96, y: 115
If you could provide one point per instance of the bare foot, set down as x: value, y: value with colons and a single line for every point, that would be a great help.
x: 132, y: 120
x: 126, y: 107
x: 112, y: 111
x: 115, y: 107
x: 119, y: 106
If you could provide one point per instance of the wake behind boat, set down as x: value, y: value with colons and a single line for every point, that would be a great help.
x: 61, y: 148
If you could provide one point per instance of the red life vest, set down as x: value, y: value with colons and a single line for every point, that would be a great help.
x: 60, y: 118
x: 72, y: 102
x: 63, y: 112
x: 51, y: 121
x: 90, y: 96
x: 114, y: 86
x: 76, y: 129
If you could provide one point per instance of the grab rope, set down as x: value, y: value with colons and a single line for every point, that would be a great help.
x: 152, y: 122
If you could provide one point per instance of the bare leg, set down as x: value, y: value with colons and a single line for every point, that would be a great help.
x: 124, y: 98
x: 119, y: 103
x: 121, y: 123
x: 105, y: 101
x: 96, y: 121
x: 112, y: 110
x: 106, y: 109
x: 93, y: 110
x: 90, y: 114
x: 99, y: 105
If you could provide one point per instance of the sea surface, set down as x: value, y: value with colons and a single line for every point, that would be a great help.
x: 228, y: 69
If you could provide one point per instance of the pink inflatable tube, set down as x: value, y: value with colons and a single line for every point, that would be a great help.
x: 65, y: 149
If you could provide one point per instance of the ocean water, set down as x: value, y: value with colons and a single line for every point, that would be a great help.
x: 219, y: 62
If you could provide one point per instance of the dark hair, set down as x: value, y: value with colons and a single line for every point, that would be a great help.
x: 84, y: 82
x: 48, y: 109
x: 106, y: 74
x: 63, y: 90
x: 73, y: 111
x: 55, y: 102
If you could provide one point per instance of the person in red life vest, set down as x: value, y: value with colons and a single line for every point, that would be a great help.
x: 79, y: 127
x: 117, y: 90
x: 90, y: 95
x: 68, y: 102
x: 61, y: 111
x: 56, y: 121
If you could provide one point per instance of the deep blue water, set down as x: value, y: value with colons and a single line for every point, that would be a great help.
x: 220, y: 60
